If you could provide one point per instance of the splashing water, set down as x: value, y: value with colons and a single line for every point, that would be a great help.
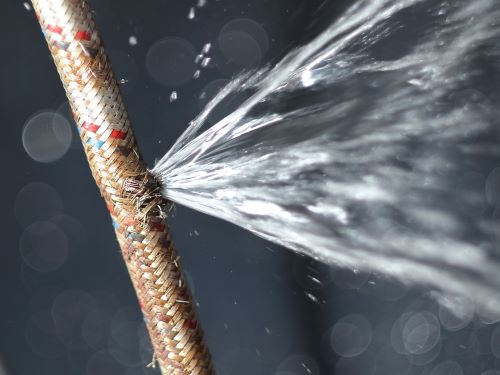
x: 369, y: 147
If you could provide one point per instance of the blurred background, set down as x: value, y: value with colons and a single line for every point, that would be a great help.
x: 67, y: 305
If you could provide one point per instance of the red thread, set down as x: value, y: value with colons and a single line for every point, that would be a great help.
x: 163, y: 318
x: 82, y: 35
x: 189, y: 324
x: 118, y: 134
x: 90, y: 127
x: 55, y: 29
x: 130, y: 221
x: 159, y: 227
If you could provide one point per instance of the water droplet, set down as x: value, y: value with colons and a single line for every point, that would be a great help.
x: 198, y: 58
x: 299, y: 364
x: 205, y: 62
x: 306, y: 78
x: 125, y: 67
x: 347, y: 278
x: 191, y: 13
x: 47, y: 136
x: 311, y: 274
x: 415, y: 82
x: 206, y: 48
x: 444, y: 8
x: 173, y: 96
x: 132, y: 40
x: 196, y: 74
x: 27, y: 6
x: 384, y: 288
x: 312, y: 297
x: 201, y: 3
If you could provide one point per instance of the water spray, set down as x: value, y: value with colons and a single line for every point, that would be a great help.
x: 387, y: 165
x: 361, y: 157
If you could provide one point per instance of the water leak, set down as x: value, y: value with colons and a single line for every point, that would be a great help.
x: 361, y: 154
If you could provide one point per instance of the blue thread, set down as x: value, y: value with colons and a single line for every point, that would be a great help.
x: 62, y: 45
x: 136, y: 236
x: 95, y: 143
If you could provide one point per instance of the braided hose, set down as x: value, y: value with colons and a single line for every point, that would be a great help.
x: 131, y: 193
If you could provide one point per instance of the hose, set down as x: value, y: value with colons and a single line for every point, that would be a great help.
x: 130, y: 191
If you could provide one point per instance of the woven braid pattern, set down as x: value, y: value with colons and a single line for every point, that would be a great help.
x: 131, y: 193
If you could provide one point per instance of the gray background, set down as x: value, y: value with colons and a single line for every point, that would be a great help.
x: 264, y: 309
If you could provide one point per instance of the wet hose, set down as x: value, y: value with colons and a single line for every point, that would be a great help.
x: 131, y: 193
